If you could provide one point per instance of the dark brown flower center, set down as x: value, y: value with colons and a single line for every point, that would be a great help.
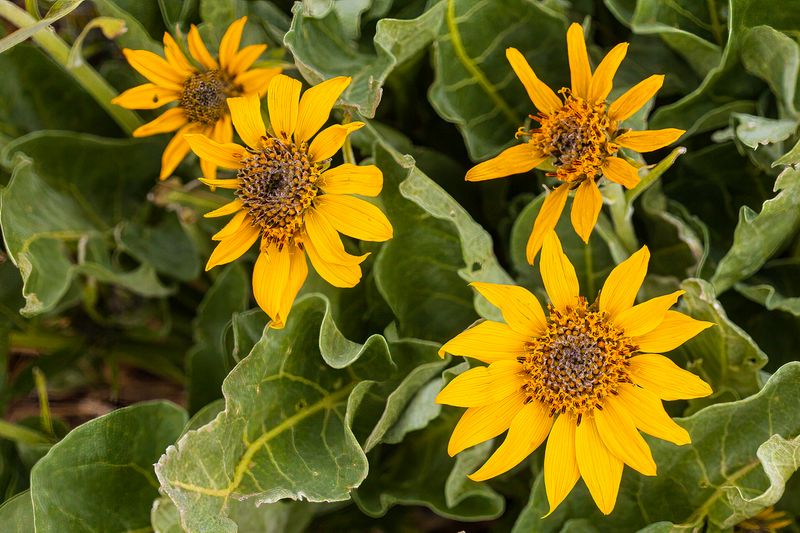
x: 277, y: 184
x: 203, y: 97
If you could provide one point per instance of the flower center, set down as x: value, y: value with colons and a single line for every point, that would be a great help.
x: 276, y: 185
x: 204, y: 94
x: 576, y: 137
x: 579, y: 360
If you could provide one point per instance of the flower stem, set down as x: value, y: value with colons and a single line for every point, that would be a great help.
x: 84, y: 74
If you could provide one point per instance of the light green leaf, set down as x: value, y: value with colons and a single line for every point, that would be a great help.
x: 740, y: 457
x: 16, y: 514
x: 775, y: 58
x: 59, y: 9
x: 475, y: 87
x: 107, y: 461
x: 286, y: 428
x: 755, y: 131
x: 318, y: 41
x: 759, y: 236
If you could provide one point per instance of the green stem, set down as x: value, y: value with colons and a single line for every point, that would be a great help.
x: 22, y: 434
x: 41, y: 341
x: 716, y: 27
x: 620, y: 217
x: 85, y: 75
x: 44, y: 402
x: 655, y: 173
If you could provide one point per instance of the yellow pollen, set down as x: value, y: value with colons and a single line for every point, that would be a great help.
x: 276, y: 185
x: 577, y: 362
x: 577, y: 137
x: 204, y: 94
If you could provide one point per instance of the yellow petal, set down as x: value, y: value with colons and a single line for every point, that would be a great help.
x: 579, y: 69
x: 234, y: 246
x: 176, y: 58
x: 528, y: 430
x: 487, y: 341
x: 146, y: 96
x: 619, y: 434
x: 231, y: 227
x: 256, y: 80
x: 620, y: 171
x: 366, y: 180
x: 175, y: 152
x: 278, y: 276
x: 603, y: 77
x: 479, y: 424
x: 221, y: 133
x: 643, y: 318
x: 330, y: 140
x: 586, y: 208
x: 665, y: 379
x: 560, y: 464
x: 245, y: 58
x: 648, y: 414
x: 283, y: 97
x: 355, y: 217
x: 227, y: 155
x: 327, y: 241
x: 635, y: 97
x: 198, y: 50
x: 227, y: 209
x: 521, y: 310
x: 674, y: 330
x: 515, y: 160
x: 483, y: 385
x: 229, y: 44
x: 246, y: 117
x: 315, y: 107
x: 622, y: 284
x: 546, y: 220
x: 648, y: 140
x: 155, y: 68
x: 222, y: 184
x: 558, y: 274
x: 600, y: 469
x: 540, y: 94
x: 338, y: 275
x: 169, y: 120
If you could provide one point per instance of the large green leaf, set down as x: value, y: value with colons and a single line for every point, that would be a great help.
x: 287, y: 431
x: 100, y: 476
x: 475, y: 87
x: 759, y: 236
x: 727, y: 87
x: 322, y: 46
x: 741, y: 455
x: 436, y: 250
x: 16, y: 514
x: 775, y: 58
x: 71, y: 191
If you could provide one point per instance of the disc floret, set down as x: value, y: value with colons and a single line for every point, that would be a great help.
x: 204, y: 95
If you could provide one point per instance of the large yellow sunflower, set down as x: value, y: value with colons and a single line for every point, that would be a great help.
x: 579, y: 135
x: 200, y: 90
x: 287, y: 198
x: 586, y: 377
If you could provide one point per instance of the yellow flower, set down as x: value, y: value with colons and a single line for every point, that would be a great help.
x: 199, y: 89
x: 287, y: 198
x: 589, y: 376
x: 579, y: 135
x: 767, y: 521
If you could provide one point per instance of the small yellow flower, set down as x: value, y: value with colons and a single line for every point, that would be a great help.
x: 200, y: 90
x: 589, y: 376
x: 579, y: 135
x: 285, y: 196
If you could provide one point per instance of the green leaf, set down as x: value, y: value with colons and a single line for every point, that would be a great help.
x: 775, y: 58
x: 775, y: 286
x: 724, y: 355
x: 16, y: 514
x: 321, y: 48
x: 208, y: 359
x: 37, y: 94
x: 740, y: 457
x: 287, y: 428
x: 475, y: 87
x: 727, y: 84
x: 100, y: 477
x: 59, y: 9
x: 142, y: 20
x: 759, y: 236
x: 755, y: 131
x: 437, y: 248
